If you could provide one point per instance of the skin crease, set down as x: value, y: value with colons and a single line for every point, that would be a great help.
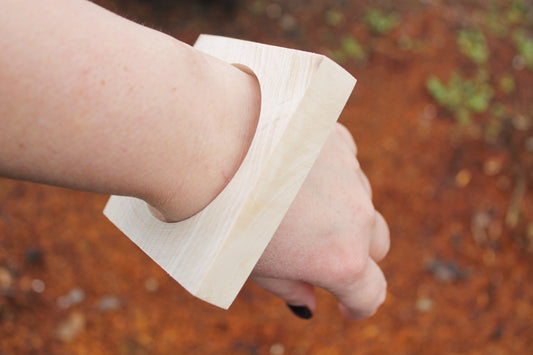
x: 91, y: 101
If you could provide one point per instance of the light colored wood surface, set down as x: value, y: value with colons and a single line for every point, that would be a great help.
x: 212, y: 253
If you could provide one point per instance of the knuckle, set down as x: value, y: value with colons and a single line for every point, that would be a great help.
x: 349, y: 259
x: 366, y: 213
x: 383, y: 250
x: 382, y: 293
x: 376, y: 298
x: 356, y: 164
x: 368, y: 305
x: 349, y: 265
x: 382, y: 238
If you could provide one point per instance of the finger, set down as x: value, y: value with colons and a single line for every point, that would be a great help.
x: 361, y: 297
x: 294, y: 293
x: 380, y: 242
x: 347, y: 137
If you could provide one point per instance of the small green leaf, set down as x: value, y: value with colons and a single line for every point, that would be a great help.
x: 379, y: 22
x: 352, y: 48
x: 334, y: 17
x: 507, y: 84
x: 473, y: 44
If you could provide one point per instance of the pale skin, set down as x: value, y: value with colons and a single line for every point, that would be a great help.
x: 91, y: 101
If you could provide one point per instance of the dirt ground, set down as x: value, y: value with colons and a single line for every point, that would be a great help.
x: 457, y: 197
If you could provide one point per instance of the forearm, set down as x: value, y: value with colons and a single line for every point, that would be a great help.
x: 91, y: 101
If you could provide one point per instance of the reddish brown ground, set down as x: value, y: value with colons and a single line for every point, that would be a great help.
x: 460, y: 277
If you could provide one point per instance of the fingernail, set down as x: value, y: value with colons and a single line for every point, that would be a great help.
x: 301, y: 311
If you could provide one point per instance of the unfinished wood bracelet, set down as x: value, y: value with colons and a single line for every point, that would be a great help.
x: 212, y: 253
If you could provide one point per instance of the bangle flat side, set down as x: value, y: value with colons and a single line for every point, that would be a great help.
x: 212, y: 253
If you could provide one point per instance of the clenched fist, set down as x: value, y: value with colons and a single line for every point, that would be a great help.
x: 332, y: 237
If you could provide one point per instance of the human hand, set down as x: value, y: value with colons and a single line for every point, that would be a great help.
x: 332, y: 237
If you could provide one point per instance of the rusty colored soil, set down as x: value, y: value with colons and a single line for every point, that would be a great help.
x: 459, y: 271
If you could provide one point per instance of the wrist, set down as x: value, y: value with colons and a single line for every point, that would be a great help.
x: 219, y: 139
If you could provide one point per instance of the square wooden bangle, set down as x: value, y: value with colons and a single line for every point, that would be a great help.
x: 212, y: 253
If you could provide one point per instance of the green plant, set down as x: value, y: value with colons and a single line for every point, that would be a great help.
x: 379, y: 22
x: 495, y: 24
x: 462, y: 96
x: 524, y: 46
x: 406, y: 43
x: 257, y: 7
x: 516, y: 13
x: 506, y: 13
x: 493, y: 130
x: 350, y: 49
x: 507, y: 84
x: 334, y: 17
x: 473, y: 44
x: 353, y: 48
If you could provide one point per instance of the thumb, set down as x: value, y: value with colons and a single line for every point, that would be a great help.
x: 300, y: 296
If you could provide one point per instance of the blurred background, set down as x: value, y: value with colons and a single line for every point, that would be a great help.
x: 443, y: 117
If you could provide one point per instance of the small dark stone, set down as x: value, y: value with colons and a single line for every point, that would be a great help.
x: 497, y: 332
x: 446, y: 271
x: 34, y: 256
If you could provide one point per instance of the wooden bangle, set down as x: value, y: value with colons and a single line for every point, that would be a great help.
x: 212, y: 253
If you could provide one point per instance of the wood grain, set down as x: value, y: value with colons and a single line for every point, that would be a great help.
x: 212, y: 253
